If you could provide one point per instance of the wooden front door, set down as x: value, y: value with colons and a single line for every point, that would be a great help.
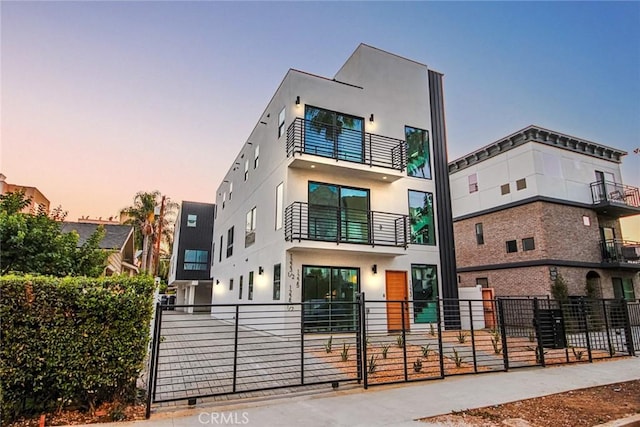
x: 396, y: 284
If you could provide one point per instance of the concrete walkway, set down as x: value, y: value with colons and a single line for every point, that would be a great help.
x: 400, y: 405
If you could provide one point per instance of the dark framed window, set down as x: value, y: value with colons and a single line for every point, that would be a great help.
x: 220, y: 258
x: 528, y: 244
x: 256, y: 157
x: 418, y: 154
x: 479, y: 234
x: 505, y: 189
x: 623, y: 288
x: 230, y: 284
x: 196, y: 260
x: 250, y: 295
x: 192, y: 220
x: 424, y: 285
x: 230, y: 242
x: 246, y: 169
x: 521, y: 184
x: 512, y: 246
x: 333, y: 134
x: 421, y: 219
x: 250, y: 228
x: 277, y: 271
x: 281, y: 118
x: 482, y: 281
x: 473, y: 183
x: 240, y: 288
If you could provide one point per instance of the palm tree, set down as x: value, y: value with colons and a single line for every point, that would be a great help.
x: 141, y: 215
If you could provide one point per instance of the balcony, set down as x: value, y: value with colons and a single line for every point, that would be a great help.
x: 342, y: 225
x: 620, y: 253
x: 377, y: 157
x: 617, y: 200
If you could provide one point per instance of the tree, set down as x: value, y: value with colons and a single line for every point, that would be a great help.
x: 142, y: 215
x: 35, y: 243
x: 559, y: 289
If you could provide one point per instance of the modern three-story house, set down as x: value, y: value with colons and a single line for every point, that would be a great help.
x: 341, y: 187
x: 539, y: 204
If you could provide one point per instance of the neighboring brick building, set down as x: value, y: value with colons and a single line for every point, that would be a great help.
x: 539, y: 203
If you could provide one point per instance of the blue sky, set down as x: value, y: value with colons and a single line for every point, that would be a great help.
x: 103, y: 99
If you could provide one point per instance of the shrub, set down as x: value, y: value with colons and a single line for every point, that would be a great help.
x: 71, y: 341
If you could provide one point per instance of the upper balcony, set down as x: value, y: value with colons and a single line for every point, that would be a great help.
x: 386, y: 232
x: 617, y: 200
x: 621, y: 253
x: 355, y: 152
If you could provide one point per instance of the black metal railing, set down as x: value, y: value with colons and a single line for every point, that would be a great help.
x: 607, y: 191
x: 620, y: 251
x: 305, y: 221
x: 325, y: 140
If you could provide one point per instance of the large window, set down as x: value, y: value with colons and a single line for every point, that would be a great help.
x: 421, y: 218
x: 279, y: 205
x: 329, y: 294
x: 623, y: 289
x: 418, y: 158
x: 230, y: 242
x: 338, y: 213
x: 277, y: 271
x: 332, y: 134
x: 479, y: 234
x: 250, y: 228
x: 424, y: 283
x: 196, y: 259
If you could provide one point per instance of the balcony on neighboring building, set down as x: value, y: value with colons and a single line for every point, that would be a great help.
x: 620, y: 253
x: 345, y: 225
x: 338, y: 149
x: 613, y: 199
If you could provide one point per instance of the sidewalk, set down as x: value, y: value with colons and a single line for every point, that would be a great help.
x: 400, y: 405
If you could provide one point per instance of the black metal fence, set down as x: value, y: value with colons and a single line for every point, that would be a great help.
x: 239, y: 348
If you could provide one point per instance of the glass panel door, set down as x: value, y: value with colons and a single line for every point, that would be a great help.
x: 329, y: 294
x: 323, y: 211
x: 354, y: 204
x: 344, y: 285
x: 349, y: 138
x: 332, y: 134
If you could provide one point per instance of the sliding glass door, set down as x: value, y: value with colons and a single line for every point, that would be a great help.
x: 332, y: 134
x: 329, y: 294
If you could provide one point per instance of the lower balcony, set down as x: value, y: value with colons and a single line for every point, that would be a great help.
x: 343, y: 225
x: 621, y: 253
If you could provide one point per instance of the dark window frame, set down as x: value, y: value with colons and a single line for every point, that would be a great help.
x: 512, y: 246
x: 277, y: 278
x: 230, y: 233
x: 479, y: 233
x: 528, y: 244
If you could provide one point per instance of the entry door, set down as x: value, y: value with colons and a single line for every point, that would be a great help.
x: 396, y: 285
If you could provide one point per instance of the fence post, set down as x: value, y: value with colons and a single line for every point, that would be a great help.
x: 302, y: 343
x: 473, y: 339
x: 585, y: 324
x: 606, y: 327
x: 363, y: 340
x: 153, y: 365
x: 538, y: 328
x: 440, y: 349
x: 628, y: 335
x: 358, y: 337
x: 404, y: 340
x: 235, y: 348
x: 503, y: 333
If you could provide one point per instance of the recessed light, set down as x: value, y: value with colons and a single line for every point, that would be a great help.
x: 384, y: 177
x: 313, y: 166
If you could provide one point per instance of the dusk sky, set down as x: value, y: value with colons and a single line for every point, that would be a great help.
x: 103, y: 99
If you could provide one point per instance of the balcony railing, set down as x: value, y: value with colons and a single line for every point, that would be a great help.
x: 620, y: 251
x: 616, y: 194
x: 340, y: 143
x: 342, y: 225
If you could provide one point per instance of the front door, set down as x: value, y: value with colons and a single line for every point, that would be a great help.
x: 397, y: 312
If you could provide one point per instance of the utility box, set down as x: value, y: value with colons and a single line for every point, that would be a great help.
x: 550, y: 323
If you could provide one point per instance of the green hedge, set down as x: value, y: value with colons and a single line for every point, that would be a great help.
x: 71, y: 341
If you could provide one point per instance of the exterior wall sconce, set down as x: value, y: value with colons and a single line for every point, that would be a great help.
x: 374, y: 268
x: 371, y: 118
x: 260, y: 270
x: 217, y: 282
x: 298, y: 100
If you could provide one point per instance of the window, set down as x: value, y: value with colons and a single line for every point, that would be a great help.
x: 230, y: 190
x: 418, y: 159
x: 281, y: 118
x: 246, y: 169
x: 332, y: 134
x: 505, y: 189
x: 250, y: 228
x: 329, y: 293
x: 473, y: 183
x: 256, y: 156
x: 224, y: 199
x: 623, y: 289
x: 423, y: 229
x: 279, y: 205
x: 196, y: 260
x: 479, y: 234
x: 191, y: 220
x: 528, y: 244
x: 240, y: 288
x: 230, y: 242
x: 424, y: 285
x: 220, y: 258
x: 512, y: 246
x: 586, y: 220
x: 482, y: 281
x: 521, y: 184
x: 276, y: 282
x: 230, y: 284
x: 250, y: 296
x: 338, y: 213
